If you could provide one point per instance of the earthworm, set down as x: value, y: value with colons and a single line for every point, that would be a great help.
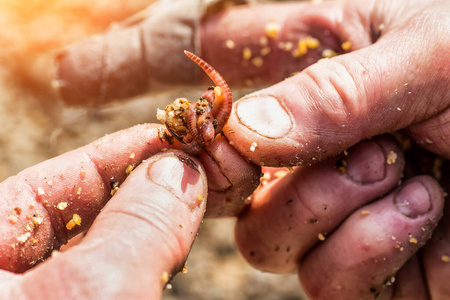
x: 196, y: 125
x: 223, y: 110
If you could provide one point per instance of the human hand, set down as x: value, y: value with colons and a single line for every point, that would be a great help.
x: 349, y: 229
x: 389, y: 81
x: 324, y: 110
x: 136, y: 241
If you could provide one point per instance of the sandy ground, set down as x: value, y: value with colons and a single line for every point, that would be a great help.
x: 35, y: 126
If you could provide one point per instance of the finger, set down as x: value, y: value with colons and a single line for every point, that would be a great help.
x: 278, y: 40
x: 140, y: 239
x: 51, y: 202
x: 133, y: 57
x: 432, y: 134
x: 42, y: 200
x: 409, y: 283
x: 337, y: 102
x: 358, y: 260
x: 141, y: 53
x: 291, y: 215
x: 231, y: 179
x: 436, y: 259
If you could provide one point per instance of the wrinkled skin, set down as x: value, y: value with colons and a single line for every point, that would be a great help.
x: 368, y: 229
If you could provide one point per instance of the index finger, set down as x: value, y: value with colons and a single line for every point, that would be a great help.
x: 45, y: 205
x: 248, y: 45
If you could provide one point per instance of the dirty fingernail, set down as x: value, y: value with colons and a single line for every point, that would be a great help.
x: 413, y: 200
x: 264, y: 115
x: 179, y: 175
x: 366, y: 162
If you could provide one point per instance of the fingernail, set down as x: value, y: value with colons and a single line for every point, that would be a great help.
x: 413, y: 200
x: 366, y: 163
x: 180, y: 176
x: 264, y: 115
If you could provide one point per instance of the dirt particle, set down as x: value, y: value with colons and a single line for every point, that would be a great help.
x: 365, y: 213
x: 129, y: 169
x: 76, y: 220
x: 12, y: 219
x: 263, y: 41
x: 328, y: 53
x: 229, y: 44
x: 301, y: 49
x: 257, y: 61
x: 341, y: 166
x: 413, y: 240
x: 246, y: 53
x: 286, y: 46
x: 114, y: 187
x: 165, y: 277
x: 391, y: 158
x: 312, y: 42
x: 346, y: 46
x: 445, y: 258
x: 321, y: 237
x: 23, y: 238
x: 271, y: 29
x: 280, y: 173
x: 62, y: 205
x: 40, y: 191
x: 264, y: 51
x: 200, y: 199
x: 37, y: 220
x: 184, y: 270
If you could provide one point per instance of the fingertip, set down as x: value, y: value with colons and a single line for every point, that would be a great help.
x: 374, y: 242
x: 181, y: 175
x: 146, y: 229
x: 231, y: 178
x: 313, y: 201
x: 418, y: 196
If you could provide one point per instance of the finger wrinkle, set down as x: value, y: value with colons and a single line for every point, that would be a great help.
x: 296, y: 188
x: 23, y: 243
x: 219, y: 181
x: 106, y: 181
x: 151, y: 226
x: 59, y: 239
x: 334, y: 100
x: 143, y: 51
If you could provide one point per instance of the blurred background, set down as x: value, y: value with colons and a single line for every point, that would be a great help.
x: 36, y: 126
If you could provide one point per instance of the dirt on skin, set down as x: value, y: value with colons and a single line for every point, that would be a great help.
x: 36, y: 126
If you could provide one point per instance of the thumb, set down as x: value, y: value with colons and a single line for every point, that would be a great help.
x: 337, y: 102
x: 140, y: 239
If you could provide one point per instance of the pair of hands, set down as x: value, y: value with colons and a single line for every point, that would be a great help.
x: 316, y: 220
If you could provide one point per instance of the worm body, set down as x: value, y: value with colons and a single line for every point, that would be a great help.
x: 224, y: 99
x: 196, y: 125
